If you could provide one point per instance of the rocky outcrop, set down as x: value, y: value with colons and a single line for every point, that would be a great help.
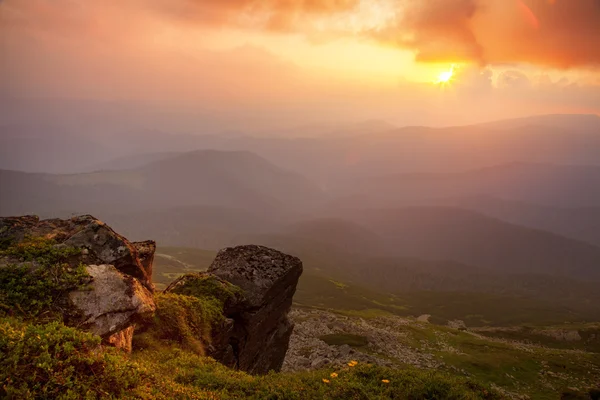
x: 255, y: 334
x: 385, y: 337
x: 254, y: 285
x: 119, y: 290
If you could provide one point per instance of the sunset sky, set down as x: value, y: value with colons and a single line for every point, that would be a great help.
x: 291, y: 62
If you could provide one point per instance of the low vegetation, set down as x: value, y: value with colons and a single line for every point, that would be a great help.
x: 51, y: 361
x: 42, y: 358
x: 36, y: 275
x: 345, y: 339
x: 56, y: 362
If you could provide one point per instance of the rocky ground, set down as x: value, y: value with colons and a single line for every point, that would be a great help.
x: 519, y: 369
x: 385, y: 344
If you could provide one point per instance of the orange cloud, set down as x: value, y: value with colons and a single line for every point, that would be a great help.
x: 558, y: 33
x: 554, y: 33
x: 281, y: 15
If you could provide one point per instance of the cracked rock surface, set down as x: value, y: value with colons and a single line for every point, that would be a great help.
x: 120, y: 289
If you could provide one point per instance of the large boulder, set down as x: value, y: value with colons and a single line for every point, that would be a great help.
x: 268, y: 279
x: 119, y: 288
x: 254, y: 336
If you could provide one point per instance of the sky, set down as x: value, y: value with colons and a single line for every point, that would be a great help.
x: 267, y: 64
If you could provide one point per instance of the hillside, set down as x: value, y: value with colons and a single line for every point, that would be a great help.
x: 68, y: 324
x: 203, y: 178
x: 445, y: 233
x: 576, y: 223
x: 338, y: 321
x: 550, y: 185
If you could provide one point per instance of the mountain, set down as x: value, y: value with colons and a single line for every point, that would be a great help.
x: 576, y: 223
x: 132, y: 161
x: 201, y: 178
x: 570, y: 122
x: 47, y: 148
x: 445, y: 233
x: 543, y: 184
x: 369, y: 149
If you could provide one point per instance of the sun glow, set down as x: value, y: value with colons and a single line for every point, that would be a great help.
x: 446, y: 76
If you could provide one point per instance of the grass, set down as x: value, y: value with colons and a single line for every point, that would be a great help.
x: 54, y: 361
x: 38, y: 275
x: 339, y: 339
x: 324, y: 285
x: 589, y: 333
x: 536, y: 371
x: 51, y: 361
x: 205, y: 377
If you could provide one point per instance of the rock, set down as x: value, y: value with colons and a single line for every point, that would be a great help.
x: 260, y: 337
x: 120, y: 288
x: 105, y: 246
x: 564, y: 335
x: 320, y: 363
x: 122, y: 339
x: 424, y: 318
x: 457, y: 324
x: 345, y: 350
x: 146, y: 252
x: 111, y: 303
x: 303, y: 362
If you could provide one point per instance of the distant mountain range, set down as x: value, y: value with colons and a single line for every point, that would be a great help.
x: 429, y: 208
x: 543, y: 184
x: 201, y: 178
x: 369, y: 149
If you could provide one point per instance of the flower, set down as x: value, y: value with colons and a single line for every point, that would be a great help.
x: 334, y: 375
x: 385, y: 380
x: 325, y: 380
x: 353, y: 363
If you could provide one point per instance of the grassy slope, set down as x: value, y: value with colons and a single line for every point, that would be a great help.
x: 318, y: 288
x: 172, y: 262
x: 514, y: 361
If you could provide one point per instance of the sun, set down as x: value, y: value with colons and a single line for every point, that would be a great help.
x: 446, y: 76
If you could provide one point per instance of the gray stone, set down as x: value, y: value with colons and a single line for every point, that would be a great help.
x: 120, y: 290
x: 268, y: 279
x: 111, y: 303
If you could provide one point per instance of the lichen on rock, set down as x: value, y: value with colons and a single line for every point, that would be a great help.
x: 77, y: 270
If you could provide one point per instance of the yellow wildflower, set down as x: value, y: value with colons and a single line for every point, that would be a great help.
x: 325, y: 380
x: 353, y: 363
x: 334, y: 375
x: 385, y: 381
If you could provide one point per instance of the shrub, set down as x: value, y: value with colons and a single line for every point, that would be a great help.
x: 205, y: 286
x: 184, y: 320
x: 43, y: 276
x: 52, y: 361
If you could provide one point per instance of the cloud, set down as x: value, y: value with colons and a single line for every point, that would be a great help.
x: 553, y: 33
x: 558, y: 33
x: 278, y: 15
x: 550, y: 33
x: 437, y: 30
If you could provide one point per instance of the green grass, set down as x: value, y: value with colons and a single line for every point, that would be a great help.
x: 54, y: 361
x: 589, y: 333
x: 191, y: 373
x: 51, y: 361
x: 324, y: 285
x: 40, y: 275
x: 338, y: 339
x: 518, y: 369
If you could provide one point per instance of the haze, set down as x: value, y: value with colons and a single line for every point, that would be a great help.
x: 432, y: 162
x: 199, y: 66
